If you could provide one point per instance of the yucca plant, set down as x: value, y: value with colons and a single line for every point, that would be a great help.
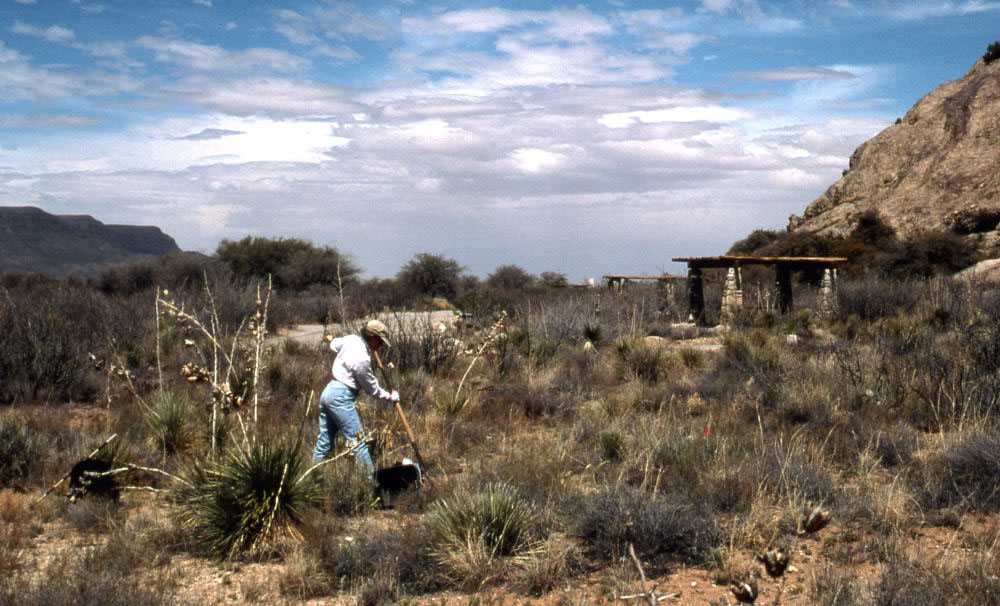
x: 250, y: 495
x: 168, y: 416
x: 469, y: 532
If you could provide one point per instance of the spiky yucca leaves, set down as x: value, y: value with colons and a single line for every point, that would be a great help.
x: 247, y: 497
x: 469, y: 532
x: 169, y: 416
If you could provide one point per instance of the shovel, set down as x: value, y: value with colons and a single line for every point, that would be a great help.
x: 399, y: 409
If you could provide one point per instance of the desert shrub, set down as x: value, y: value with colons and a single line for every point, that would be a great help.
x: 379, y: 563
x: 530, y: 398
x: 992, y: 53
x: 964, y: 472
x: 93, y: 515
x: 752, y: 244
x: 593, y: 332
x: 292, y: 374
x: 547, y: 569
x: 788, y: 473
x: 754, y: 362
x: 662, y: 527
x: 612, y: 446
x: 115, y: 572
x: 637, y: 359
x: 174, y: 271
x: 170, y: 420
x: 417, y: 345
x: 973, y: 220
x: 833, y: 587
x: 249, y: 496
x: 345, y: 489
x: 45, y: 336
x: 21, y: 448
x: 933, y: 253
x: 470, y: 533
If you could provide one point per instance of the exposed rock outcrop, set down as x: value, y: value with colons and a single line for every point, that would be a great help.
x: 32, y: 240
x: 936, y: 169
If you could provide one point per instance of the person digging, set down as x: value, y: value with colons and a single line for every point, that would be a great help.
x: 352, y: 371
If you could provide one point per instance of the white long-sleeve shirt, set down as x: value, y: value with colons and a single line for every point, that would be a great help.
x: 353, y: 366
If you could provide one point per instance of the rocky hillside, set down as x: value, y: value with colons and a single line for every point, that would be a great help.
x: 32, y: 240
x: 936, y: 169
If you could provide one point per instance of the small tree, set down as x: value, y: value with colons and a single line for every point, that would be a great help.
x: 291, y: 262
x: 992, y: 53
x: 431, y: 275
x: 554, y: 278
x: 510, y: 277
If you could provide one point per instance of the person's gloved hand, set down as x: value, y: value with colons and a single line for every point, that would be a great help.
x: 394, y: 396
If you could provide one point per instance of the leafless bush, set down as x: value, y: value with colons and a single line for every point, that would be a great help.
x: 663, y: 528
x: 116, y: 572
x: 965, y: 472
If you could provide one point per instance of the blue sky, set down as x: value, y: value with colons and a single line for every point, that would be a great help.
x: 585, y: 138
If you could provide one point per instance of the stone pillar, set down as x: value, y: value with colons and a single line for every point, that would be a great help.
x: 729, y: 295
x: 739, y: 286
x: 696, y: 295
x: 826, y: 301
x: 783, y: 284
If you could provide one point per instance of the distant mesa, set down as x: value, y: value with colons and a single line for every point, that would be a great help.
x: 32, y: 240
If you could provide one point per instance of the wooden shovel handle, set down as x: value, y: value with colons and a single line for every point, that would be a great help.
x: 402, y: 417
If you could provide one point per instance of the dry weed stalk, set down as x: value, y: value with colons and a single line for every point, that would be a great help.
x: 225, y: 358
x: 489, y: 341
x: 649, y: 594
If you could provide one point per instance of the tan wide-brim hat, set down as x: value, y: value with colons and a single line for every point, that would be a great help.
x: 377, y: 328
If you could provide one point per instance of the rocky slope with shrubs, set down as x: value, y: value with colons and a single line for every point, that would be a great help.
x: 935, y: 170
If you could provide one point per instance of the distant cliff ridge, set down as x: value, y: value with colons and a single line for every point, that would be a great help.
x: 937, y: 169
x: 32, y: 240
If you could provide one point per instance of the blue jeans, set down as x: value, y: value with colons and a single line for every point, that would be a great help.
x: 338, y: 414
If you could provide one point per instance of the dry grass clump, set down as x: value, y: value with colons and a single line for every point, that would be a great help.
x: 912, y: 577
x: 20, y: 450
x: 963, y: 470
x: 638, y: 359
x: 470, y: 535
x: 662, y: 527
x: 118, y: 571
x: 379, y: 564
x: 547, y: 568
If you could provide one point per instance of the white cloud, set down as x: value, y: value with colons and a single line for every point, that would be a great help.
x: 341, y: 53
x: 52, y: 33
x: 207, y: 3
x: 208, y: 58
x: 674, y: 114
x: 572, y: 25
x: 46, y: 120
x: 916, y: 10
x: 794, y: 74
x: 536, y: 160
x: 265, y: 96
x: 718, y: 6
x: 20, y: 81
